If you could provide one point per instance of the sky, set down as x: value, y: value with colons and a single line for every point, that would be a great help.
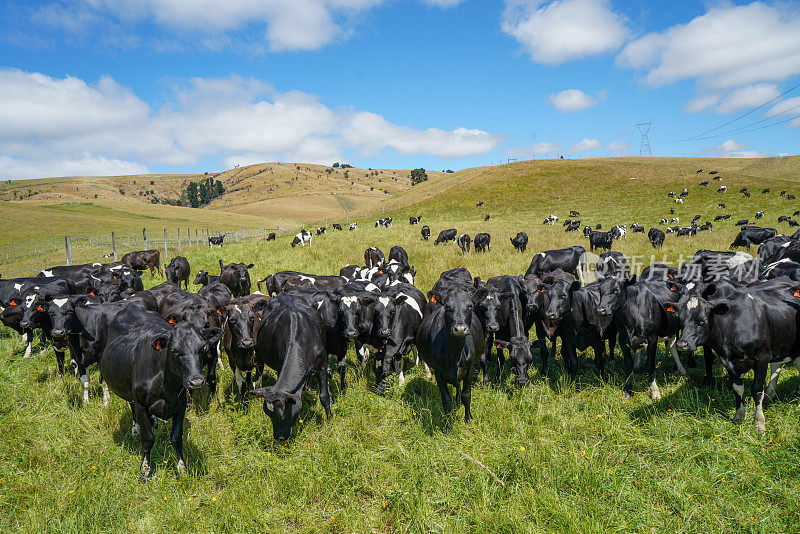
x: 104, y: 87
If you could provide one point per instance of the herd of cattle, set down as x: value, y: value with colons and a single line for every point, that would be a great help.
x: 154, y: 346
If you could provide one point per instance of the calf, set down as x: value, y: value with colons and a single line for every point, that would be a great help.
x: 482, y: 242
x: 445, y: 236
x: 464, y: 242
x: 203, y: 278
x: 291, y: 341
x: 301, y: 238
x: 426, y: 232
x: 216, y: 240
x: 151, y: 365
x: 373, y: 257
x: 450, y: 341
x: 242, y: 319
x: 178, y: 271
x: 520, y: 241
x: 142, y: 260
x: 236, y: 277
x: 656, y: 237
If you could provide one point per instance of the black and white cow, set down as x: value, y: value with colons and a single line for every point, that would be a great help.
x: 216, y: 240
x: 414, y: 220
x: 445, y: 236
x: 241, y: 322
x: 482, y: 242
x: 271, y: 236
x: 353, y: 226
x: 426, y: 232
x: 398, y: 314
x: 301, y: 238
x: 321, y: 231
x: 464, y: 242
x: 373, y: 257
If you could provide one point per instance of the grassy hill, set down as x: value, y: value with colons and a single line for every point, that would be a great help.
x: 572, y: 457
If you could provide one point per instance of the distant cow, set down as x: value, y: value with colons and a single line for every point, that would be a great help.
x: 301, y: 238
x: 478, y: 204
x: 753, y: 235
x: 353, y: 226
x: 520, y: 241
x: 551, y: 219
x: 337, y: 226
x: 656, y: 237
x: 321, y: 230
x: 141, y: 260
x: 486, y: 217
x: 742, y: 222
x: 600, y: 240
x: 463, y: 242
x: 759, y: 214
x: 445, y: 236
x: 178, y: 271
x: 414, y: 220
x: 721, y: 205
x: 426, y: 232
x: 570, y: 260
x: 765, y: 190
x: 271, y: 236
x: 722, y: 189
x: 482, y: 242
x: 216, y: 240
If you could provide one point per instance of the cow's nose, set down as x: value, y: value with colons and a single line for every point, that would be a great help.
x: 351, y: 333
x: 493, y: 327
x: 57, y: 332
x: 601, y: 310
x: 24, y: 324
x: 682, y: 345
x: 550, y: 315
x: 461, y: 330
x: 196, y: 383
x: 246, y: 344
x: 385, y: 332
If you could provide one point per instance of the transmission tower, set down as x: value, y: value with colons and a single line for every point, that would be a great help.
x: 644, y: 129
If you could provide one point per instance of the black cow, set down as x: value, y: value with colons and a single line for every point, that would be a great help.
x: 337, y: 226
x: 520, y: 241
x: 291, y: 341
x: 612, y: 264
x: 242, y: 318
x: 464, y: 242
x: 414, y: 220
x: 656, y: 237
x: 570, y: 260
x: 450, y: 340
x: 482, y: 242
x: 742, y: 222
x: 152, y: 364
x: 271, y: 236
x: 236, y: 277
x: 426, y: 232
x: 486, y: 217
x: 80, y: 275
x: 445, y: 236
x: 558, y: 288
x: 511, y: 333
x: 178, y: 271
x: 748, y: 329
x: 216, y: 240
x: 753, y: 235
x: 274, y: 283
x: 600, y: 240
x: 373, y: 257
x: 203, y: 278
x: 141, y: 260
x: 772, y: 249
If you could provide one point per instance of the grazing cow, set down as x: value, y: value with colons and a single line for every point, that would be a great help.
x: 747, y: 195
x: 699, y: 171
x: 790, y: 197
x: 426, y: 232
x: 718, y: 178
x: 598, y: 226
x: 598, y: 240
x: 678, y: 201
x: 321, y: 230
x: 373, y: 257
x: 463, y: 242
x: 271, y: 236
x: 784, y: 218
x: 712, y: 172
x: 337, y: 226
x: 636, y: 227
x: 656, y: 237
x: 765, y: 190
x: 242, y: 319
x: 742, y: 190
x: 705, y: 183
x: 686, y: 231
x: 450, y: 340
x: 353, y: 226
x: 203, y: 278
x: 783, y: 193
x: 486, y: 217
x: 301, y: 238
x: 216, y: 240
x: 445, y: 236
x: 178, y: 271
x: 551, y: 219
x: 751, y: 328
x: 482, y: 242
x: 663, y: 221
x: 705, y: 226
x: 722, y: 189
x: 478, y: 204
x: 573, y: 226
x: 671, y: 194
x: 742, y: 222
x: 759, y: 214
x: 571, y: 260
x: 696, y: 218
x: 235, y: 277
x: 573, y: 213
x: 675, y: 220
x: 587, y: 230
x: 520, y: 241
x: 721, y: 205
x: 618, y: 232
x: 753, y: 235
x: 291, y: 341
x: 152, y: 365
x: 141, y: 260
x: 414, y: 220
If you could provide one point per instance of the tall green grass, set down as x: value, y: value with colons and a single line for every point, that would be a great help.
x: 571, y: 457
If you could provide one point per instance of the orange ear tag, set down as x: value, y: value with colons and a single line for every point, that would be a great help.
x: 158, y: 345
x: 433, y: 299
x: 670, y: 309
x: 797, y: 292
x: 39, y: 308
x: 171, y: 320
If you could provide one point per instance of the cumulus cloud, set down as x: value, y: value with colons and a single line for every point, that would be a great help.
x: 571, y: 100
x: 733, y: 149
x: 563, y: 30
x: 729, y: 46
x: 618, y: 148
x: 585, y: 145
x: 278, y: 25
x: 537, y: 149
x: 47, y: 124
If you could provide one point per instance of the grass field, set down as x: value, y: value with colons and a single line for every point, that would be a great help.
x: 571, y: 457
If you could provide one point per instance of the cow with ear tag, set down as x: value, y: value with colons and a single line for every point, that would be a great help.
x: 152, y: 365
x: 559, y: 288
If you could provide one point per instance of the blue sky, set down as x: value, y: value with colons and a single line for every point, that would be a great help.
x: 115, y: 86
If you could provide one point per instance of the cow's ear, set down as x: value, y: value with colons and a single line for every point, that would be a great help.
x: 480, y: 294
x: 721, y: 308
x: 630, y: 280
x: 160, y: 342
x: 576, y: 285
x: 709, y: 291
x: 250, y: 265
x: 212, y: 335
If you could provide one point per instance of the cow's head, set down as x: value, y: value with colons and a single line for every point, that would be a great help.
x: 356, y: 310
x: 61, y: 311
x: 559, y: 290
x: 383, y: 315
x: 186, y: 348
x: 519, y: 351
x: 612, y: 292
x: 488, y: 307
x: 695, y: 314
x: 282, y: 407
x: 201, y: 278
x: 458, y: 311
x: 33, y: 309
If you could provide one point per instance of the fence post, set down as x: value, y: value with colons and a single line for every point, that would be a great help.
x: 114, y: 244
x: 235, y: 236
x: 165, y: 244
x: 144, y: 238
x: 68, y: 245
x: 179, y: 239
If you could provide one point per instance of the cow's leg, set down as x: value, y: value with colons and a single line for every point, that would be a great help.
x: 176, y: 435
x: 600, y: 359
x: 341, y: 365
x: 324, y: 390
x: 83, y: 376
x: 738, y: 390
x: 447, y: 401
x: 774, y: 374
x: 135, y: 428
x: 27, y: 338
x: 708, y: 357
x: 60, y: 361
x: 637, y: 361
x: 146, y: 433
x: 570, y: 359
x: 651, y: 369
x: 106, y: 395
x: 627, y: 387
x: 541, y: 342
x: 673, y: 350
x: 398, y: 369
x: 240, y: 381
x: 757, y: 390
x: 158, y: 266
x: 211, y: 375
x: 466, y: 394
x: 797, y: 365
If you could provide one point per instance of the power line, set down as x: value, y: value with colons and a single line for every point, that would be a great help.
x: 754, y: 129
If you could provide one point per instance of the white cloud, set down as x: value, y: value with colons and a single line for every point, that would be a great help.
x: 586, y: 144
x: 729, y: 46
x: 731, y: 145
x: 280, y: 25
x: 748, y: 97
x: 786, y: 109
x: 571, y: 100
x: 702, y: 103
x: 63, y: 126
x: 618, y: 148
x: 733, y: 149
x: 563, y: 30
x: 537, y: 149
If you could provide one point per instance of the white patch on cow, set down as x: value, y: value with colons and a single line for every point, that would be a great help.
x: 311, y: 279
x: 396, y: 282
x: 739, y: 389
x: 17, y: 286
x: 60, y: 302
x: 135, y: 429
x: 237, y: 308
x: 28, y: 350
x: 673, y: 350
x: 413, y: 303
x: 237, y: 375
x: 181, y: 466
x: 542, y: 254
x: 738, y: 259
x: 774, y: 373
x: 384, y: 300
x: 786, y: 244
x: 47, y: 274
x: 29, y: 300
x: 690, y: 286
x: 372, y: 287
x: 319, y: 304
x: 84, y: 378
x: 750, y: 297
x: 401, y: 379
x: 257, y: 293
x: 692, y: 304
x: 654, y: 391
x: 409, y: 278
x: 349, y: 301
